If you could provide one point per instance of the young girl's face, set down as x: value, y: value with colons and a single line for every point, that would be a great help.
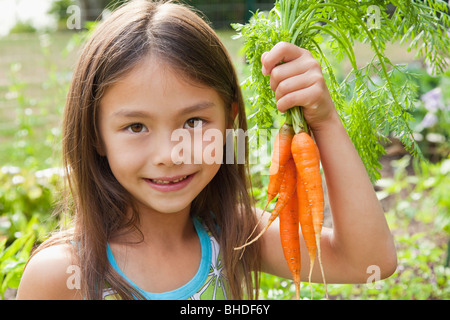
x: 138, y: 117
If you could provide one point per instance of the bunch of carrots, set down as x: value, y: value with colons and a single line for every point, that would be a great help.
x: 294, y: 176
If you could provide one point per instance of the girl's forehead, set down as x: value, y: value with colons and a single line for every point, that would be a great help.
x: 153, y: 67
x: 154, y: 71
x: 154, y: 83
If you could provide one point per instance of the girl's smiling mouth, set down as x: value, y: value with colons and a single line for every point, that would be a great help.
x: 165, y: 180
x: 170, y: 183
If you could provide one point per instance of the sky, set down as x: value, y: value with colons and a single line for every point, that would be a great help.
x: 24, y: 10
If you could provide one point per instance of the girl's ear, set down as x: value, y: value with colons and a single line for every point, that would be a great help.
x: 100, y: 148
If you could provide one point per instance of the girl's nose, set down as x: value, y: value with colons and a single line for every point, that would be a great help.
x: 162, y: 151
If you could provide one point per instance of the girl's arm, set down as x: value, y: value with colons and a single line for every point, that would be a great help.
x: 360, y: 236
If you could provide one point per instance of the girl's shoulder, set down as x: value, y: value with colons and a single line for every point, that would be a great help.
x: 51, y: 273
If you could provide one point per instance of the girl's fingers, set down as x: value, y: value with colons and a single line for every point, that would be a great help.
x: 296, y: 78
x: 306, y: 90
x: 285, y: 71
x: 281, y: 52
x: 306, y: 97
x: 292, y: 83
x: 298, y: 69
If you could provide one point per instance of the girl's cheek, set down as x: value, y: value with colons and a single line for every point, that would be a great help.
x: 213, y: 146
x: 198, y: 147
x: 124, y: 157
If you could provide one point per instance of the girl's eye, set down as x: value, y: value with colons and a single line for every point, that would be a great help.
x: 136, y: 128
x: 194, y: 123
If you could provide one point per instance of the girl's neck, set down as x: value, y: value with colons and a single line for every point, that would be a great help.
x: 162, y: 228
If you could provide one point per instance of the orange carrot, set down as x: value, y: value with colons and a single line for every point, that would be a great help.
x: 307, y: 162
x: 290, y: 241
x: 287, y: 189
x: 306, y: 224
x: 280, y: 155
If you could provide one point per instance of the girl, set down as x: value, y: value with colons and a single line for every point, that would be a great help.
x: 147, y: 226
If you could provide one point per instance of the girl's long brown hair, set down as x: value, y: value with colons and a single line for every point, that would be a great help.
x: 179, y: 36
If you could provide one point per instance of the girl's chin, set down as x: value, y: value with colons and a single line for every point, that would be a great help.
x: 163, y: 207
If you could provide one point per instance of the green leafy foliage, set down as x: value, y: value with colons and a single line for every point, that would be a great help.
x: 26, y: 196
x: 261, y: 35
x: 372, y: 102
x: 13, y: 260
x: 27, y: 200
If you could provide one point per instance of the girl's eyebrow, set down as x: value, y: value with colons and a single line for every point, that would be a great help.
x: 196, y: 107
x: 129, y: 113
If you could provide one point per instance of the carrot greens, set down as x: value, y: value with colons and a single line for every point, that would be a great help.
x: 371, y: 100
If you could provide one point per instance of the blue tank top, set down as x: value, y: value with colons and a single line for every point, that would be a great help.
x: 209, y: 283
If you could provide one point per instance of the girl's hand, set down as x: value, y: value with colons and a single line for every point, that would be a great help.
x: 297, y: 80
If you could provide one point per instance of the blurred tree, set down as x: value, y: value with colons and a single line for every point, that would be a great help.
x: 91, y: 10
x: 22, y: 27
x: 58, y: 9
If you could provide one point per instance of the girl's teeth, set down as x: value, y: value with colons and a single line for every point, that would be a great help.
x: 168, y: 182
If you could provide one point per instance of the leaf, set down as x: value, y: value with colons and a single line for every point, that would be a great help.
x: 2, y: 246
x: 372, y: 102
x: 15, y: 247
